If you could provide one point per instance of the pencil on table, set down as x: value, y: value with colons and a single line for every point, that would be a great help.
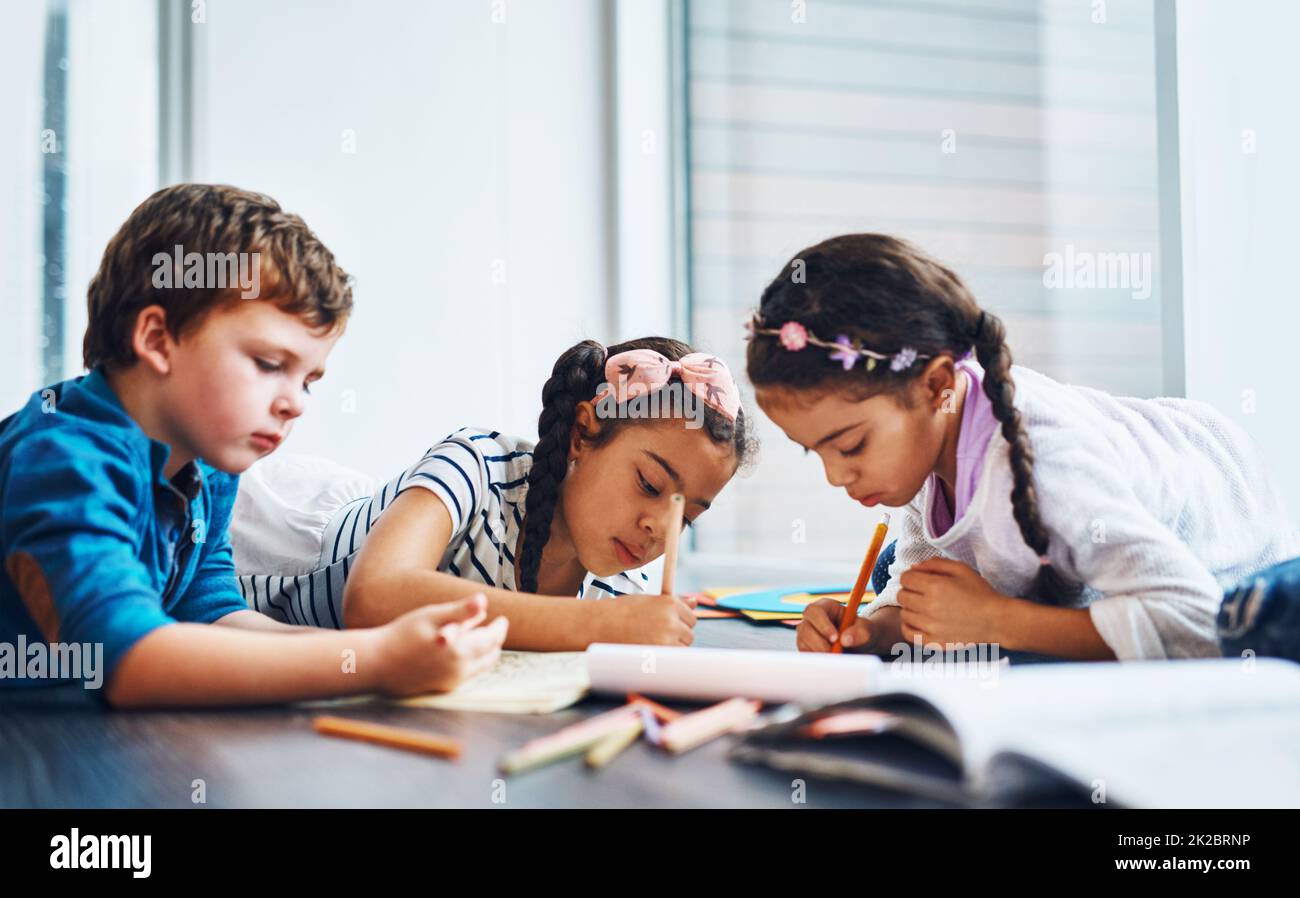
x: 609, y: 747
x: 391, y: 736
x: 568, y: 741
x: 860, y: 587
x: 677, y: 508
x: 666, y: 715
x: 695, y: 729
x: 650, y: 723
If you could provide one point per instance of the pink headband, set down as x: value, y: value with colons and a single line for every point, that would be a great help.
x: 641, y: 371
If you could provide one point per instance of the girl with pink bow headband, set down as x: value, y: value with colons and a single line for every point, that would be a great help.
x: 638, y: 373
x: 532, y: 526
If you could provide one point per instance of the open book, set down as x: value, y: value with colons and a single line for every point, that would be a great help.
x: 1203, y: 733
x: 519, y: 683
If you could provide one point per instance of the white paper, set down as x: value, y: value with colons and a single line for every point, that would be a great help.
x: 715, y: 674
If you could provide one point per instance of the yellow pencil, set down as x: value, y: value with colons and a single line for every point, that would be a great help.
x: 608, y: 748
x: 568, y: 741
x: 855, y: 598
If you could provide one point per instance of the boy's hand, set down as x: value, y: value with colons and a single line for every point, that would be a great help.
x: 649, y: 620
x: 437, y: 647
x: 820, y: 628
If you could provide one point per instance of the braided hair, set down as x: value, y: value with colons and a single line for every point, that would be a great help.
x: 574, y: 379
x: 890, y: 295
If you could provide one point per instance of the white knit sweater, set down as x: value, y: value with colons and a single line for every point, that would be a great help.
x: 1156, y: 505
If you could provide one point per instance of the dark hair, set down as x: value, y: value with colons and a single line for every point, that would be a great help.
x: 296, y: 271
x: 575, y: 378
x: 890, y: 295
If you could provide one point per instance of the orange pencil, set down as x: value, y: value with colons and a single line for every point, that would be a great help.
x: 665, y: 715
x: 860, y: 587
x: 393, y: 737
x: 676, y: 508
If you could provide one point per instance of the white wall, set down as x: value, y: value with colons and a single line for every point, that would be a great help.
x: 477, y: 143
x: 645, y: 212
x: 1237, y: 72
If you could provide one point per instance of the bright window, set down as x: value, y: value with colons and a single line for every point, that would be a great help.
x: 994, y: 134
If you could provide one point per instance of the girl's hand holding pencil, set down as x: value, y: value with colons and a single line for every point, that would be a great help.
x: 647, y: 619
x: 827, y: 629
x: 819, y: 630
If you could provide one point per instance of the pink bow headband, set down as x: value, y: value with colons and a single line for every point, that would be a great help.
x: 638, y: 372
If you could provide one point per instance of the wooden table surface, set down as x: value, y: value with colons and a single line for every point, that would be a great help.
x: 61, y: 749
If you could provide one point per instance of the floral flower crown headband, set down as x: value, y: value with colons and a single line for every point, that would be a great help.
x: 794, y: 337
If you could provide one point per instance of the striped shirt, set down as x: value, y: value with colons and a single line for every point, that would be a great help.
x: 482, y: 478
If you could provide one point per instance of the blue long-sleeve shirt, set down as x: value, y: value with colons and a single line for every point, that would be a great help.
x: 98, y: 547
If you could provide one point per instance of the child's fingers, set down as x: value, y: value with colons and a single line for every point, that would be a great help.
x: 857, y: 635
x: 686, y: 615
x: 912, y: 624
x: 481, y: 641
x: 943, y: 567
x: 920, y: 580
x: 910, y: 599
x: 496, y: 631
x: 485, y: 657
x: 818, y: 618
x: 683, y: 635
x: 824, y: 608
x: 687, y: 602
x: 469, y: 611
x: 472, y: 666
x: 807, y: 639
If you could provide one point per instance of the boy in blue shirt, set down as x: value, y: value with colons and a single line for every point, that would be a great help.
x: 212, y: 312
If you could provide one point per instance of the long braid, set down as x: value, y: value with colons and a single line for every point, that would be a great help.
x: 574, y: 379
x: 989, y: 337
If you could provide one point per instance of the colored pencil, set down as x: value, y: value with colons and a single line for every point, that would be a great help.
x: 665, y: 715
x: 391, y: 736
x: 673, y: 536
x: 692, y: 730
x: 850, y: 613
x: 611, y: 746
x: 568, y: 741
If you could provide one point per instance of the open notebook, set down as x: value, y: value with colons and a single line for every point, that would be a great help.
x: 519, y: 683
x: 1204, y: 733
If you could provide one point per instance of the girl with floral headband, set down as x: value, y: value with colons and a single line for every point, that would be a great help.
x: 1045, y: 518
x: 529, y: 526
